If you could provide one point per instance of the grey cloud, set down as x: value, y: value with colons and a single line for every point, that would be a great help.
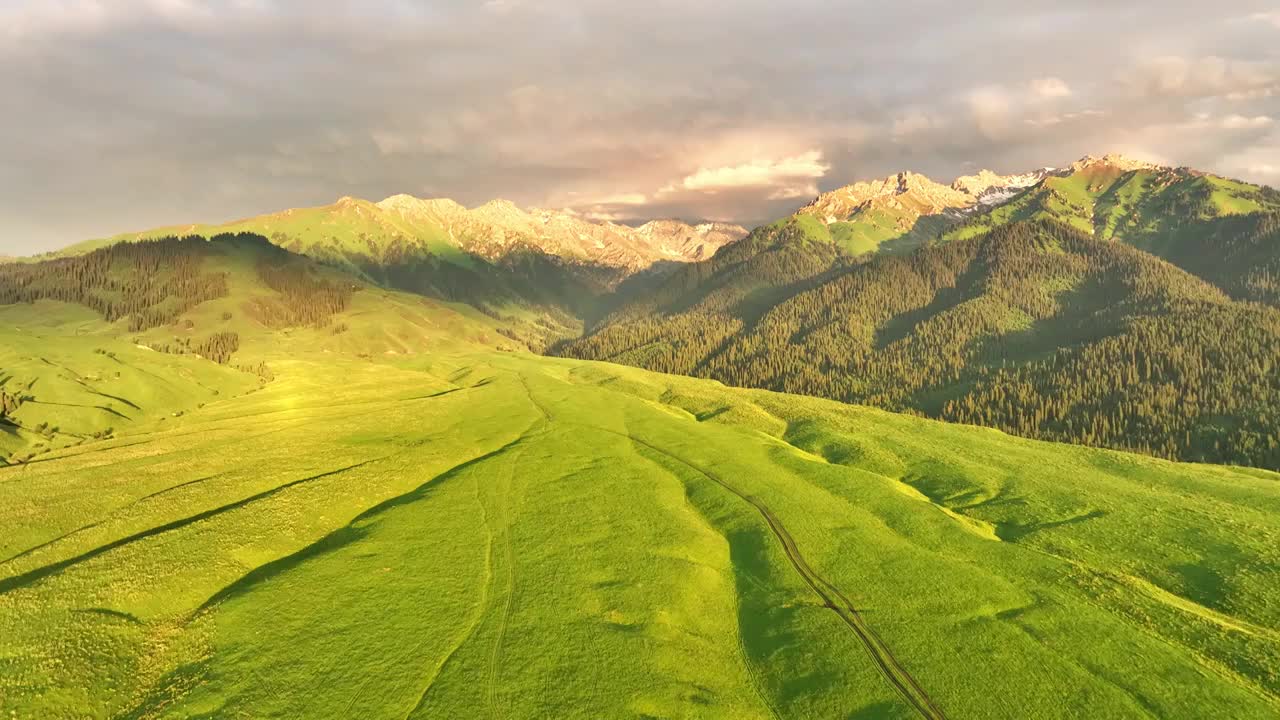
x: 125, y: 114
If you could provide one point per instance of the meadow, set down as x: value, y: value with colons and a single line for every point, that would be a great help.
x: 464, y: 533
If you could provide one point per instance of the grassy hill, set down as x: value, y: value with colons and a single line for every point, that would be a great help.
x: 496, y: 257
x: 479, y: 533
x: 415, y: 253
x: 1033, y: 327
x: 92, y: 344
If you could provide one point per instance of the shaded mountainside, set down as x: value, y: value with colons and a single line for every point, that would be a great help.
x: 1034, y: 328
x: 1222, y: 230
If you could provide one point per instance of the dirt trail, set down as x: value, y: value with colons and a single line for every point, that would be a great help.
x: 831, y: 596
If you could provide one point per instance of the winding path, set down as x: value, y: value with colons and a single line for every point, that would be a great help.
x: 831, y: 596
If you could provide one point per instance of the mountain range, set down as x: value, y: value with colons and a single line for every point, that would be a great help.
x: 359, y: 234
x: 1111, y: 302
x: 496, y: 257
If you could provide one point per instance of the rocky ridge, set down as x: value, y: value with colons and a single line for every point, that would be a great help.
x: 497, y: 227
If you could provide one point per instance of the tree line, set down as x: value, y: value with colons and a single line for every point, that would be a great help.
x: 150, y: 283
x: 218, y: 347
x: 305, y: 298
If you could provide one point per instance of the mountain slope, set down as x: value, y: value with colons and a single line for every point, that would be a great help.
x: 1222, y: 230
x: 902, y: 211
x: 496, y: 256
x: 1034, y: 328
x: 523, y: 537
x: 95, y: 343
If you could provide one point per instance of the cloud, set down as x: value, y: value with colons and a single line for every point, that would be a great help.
x: 1206, y: 76
x: 144, y: 113
x: 781, y: 175
x: 992, y: 110
x: 915, y: 123
x: 1050, y: 87
x: 623, y: 198
x: 704, y: 192
x: 1240, y: 122
x: 1271, y: 18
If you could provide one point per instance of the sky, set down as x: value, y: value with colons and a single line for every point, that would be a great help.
x: 122, y: 115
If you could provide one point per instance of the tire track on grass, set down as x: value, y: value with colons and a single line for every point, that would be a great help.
x: 471, y: 626
x: 753, y: 676
x: 833, y: 599
x: 504, y: 620
x: 495, y: 656
x: 465, y: 636
x: 470, y: 631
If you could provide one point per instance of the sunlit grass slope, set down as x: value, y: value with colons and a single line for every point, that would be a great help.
x: 462, y: 535
x: 332, y: 232
x: 1138, y: 206
x: 57, y: 355
x: 80, y: 376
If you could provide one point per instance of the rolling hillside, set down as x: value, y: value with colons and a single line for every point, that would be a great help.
x: 441, y: 537
x: 93, y: 344
x: 1223, y: 230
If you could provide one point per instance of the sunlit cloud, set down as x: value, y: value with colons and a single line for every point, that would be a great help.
x: 1240, y: 122
x: 992, y: 109
x: 783, y: 174
x: 1050, y: 87
x: 1271, y: 18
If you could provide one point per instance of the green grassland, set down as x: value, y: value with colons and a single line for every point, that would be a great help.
x: 478, y: 534
x: 57, y: 354
x: 83, y: 376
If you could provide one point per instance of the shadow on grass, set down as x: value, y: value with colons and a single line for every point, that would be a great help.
x: 33, y: 576
x: 1013, y: 532
x: 351, y: 532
